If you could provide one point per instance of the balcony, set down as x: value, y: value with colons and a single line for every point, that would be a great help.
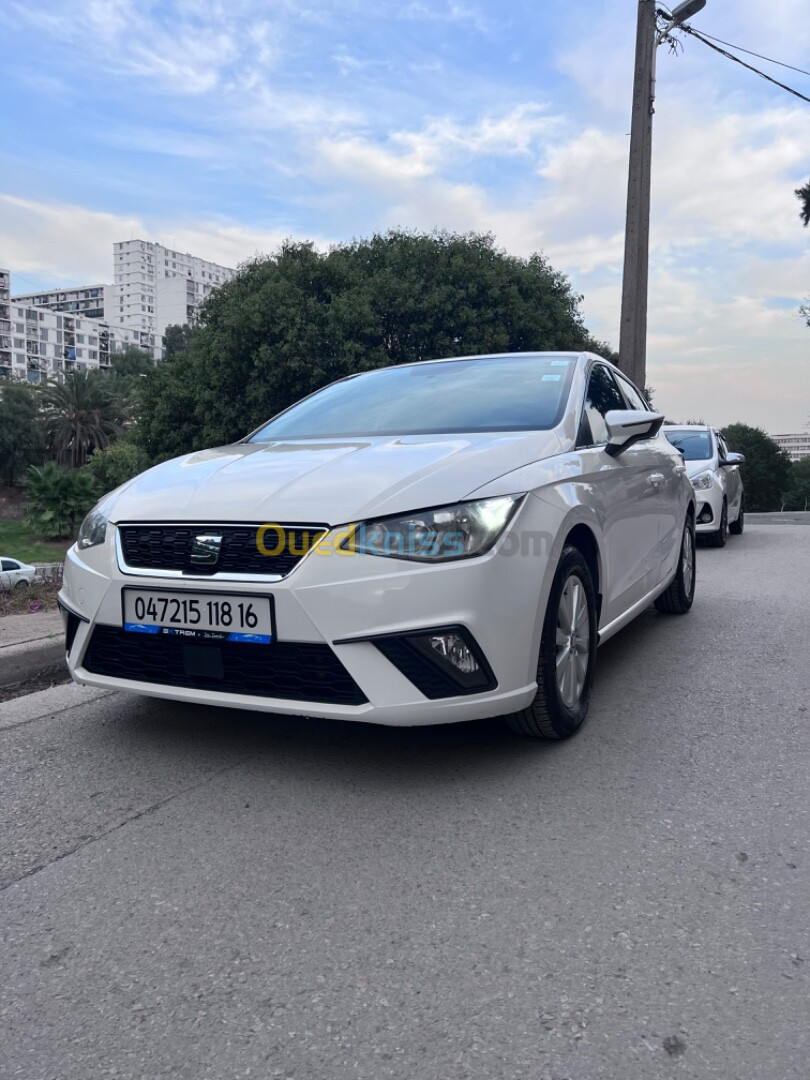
x: 33, y: 364
x: 5, y: 326
x: 4, y: 312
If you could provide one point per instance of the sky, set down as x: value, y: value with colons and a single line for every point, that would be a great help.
x: 224, y: 128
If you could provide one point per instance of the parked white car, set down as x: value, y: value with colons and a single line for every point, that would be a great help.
x: 420, y: 544
x: 714, y: 472
x: 15, y: 574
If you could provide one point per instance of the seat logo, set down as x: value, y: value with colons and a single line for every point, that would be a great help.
x: 205, y: 550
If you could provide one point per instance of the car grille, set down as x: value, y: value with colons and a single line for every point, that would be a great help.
x: 292, y: 670
x: 169, y: 547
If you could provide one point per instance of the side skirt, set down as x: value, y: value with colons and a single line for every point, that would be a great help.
x: 618, y: 624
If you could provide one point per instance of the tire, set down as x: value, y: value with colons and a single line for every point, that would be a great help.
x: 564, y: 668
x: 718, y: 538
x: 677, y: 598
x: 23, y: 583
x: 736, y: 527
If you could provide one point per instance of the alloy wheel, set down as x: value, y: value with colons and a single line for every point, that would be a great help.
x: 572, y: 641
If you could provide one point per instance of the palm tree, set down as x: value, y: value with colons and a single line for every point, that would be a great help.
x: 85, y: 412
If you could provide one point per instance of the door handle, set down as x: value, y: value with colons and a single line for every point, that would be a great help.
x: 655, y: 479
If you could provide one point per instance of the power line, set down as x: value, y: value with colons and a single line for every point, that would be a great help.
x: 737, y: 60
x: 770, y: 59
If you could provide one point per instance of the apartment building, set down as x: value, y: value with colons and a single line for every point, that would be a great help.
x: 156, y: 286
x: 38, y: 344
x: 5, y: 319
x: 796, y: 446
x: 90, y: 301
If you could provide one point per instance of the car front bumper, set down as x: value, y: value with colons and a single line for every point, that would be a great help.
x: 709, y: 507
x: 336, y: 617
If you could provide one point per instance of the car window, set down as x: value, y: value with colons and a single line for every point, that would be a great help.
x: 506, y: 393
x: 634, y: 398
x: 694, y: 445
x: 9, y: 564
x: 601, y: 396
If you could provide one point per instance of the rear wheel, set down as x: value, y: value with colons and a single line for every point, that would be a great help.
x: 736, y: 527
x: 23, y: 583
x: 567, y: 655
x: 720, y: 535
x: 678, y: 596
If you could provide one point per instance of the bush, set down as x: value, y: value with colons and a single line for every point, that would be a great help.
x: 58, y: 499
x: 114, y: 466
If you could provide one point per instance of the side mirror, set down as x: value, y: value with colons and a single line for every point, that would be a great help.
x: 732, y: 459
x: 628, y: 426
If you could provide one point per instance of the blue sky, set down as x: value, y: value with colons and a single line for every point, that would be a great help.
x: 224, y: 128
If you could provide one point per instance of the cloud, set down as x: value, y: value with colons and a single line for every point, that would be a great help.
x: 61, y: 243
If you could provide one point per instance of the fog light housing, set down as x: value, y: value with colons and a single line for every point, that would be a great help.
x: 705, y: 515
x: 444, y: 661
x: 454, y: 648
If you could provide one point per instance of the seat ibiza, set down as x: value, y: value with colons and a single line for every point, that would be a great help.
x: 420, y: 544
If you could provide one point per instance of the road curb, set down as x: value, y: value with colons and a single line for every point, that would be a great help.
x: 42, y: 658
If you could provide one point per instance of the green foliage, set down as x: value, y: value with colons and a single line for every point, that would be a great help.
x: 130, y: 362
x: 287, y: 325
x: 799, y: 493
x: 114, y: 466
x: 803, y: 195
x: 58, y: 499
x: 766, y: 473
x: 21, y: 439
x: 176, y: 339
x: 87, y: 411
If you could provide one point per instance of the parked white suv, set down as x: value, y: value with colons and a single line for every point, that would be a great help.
x: 715, y: 477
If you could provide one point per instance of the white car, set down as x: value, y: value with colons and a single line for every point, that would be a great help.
x: 714, y: 472
x: 15, y: 574
x: 419, y: 544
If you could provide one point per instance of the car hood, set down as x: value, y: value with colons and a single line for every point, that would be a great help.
x: 695, y: 467
x: 326, y: 481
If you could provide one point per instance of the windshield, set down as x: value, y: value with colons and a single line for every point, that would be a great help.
x: 510, y: 393
x: 694, y: 445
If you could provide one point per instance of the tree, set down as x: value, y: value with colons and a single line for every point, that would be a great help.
x: 114, y: 466
x: 291, y: 323
x: 85, y: 412
x: 799, y: 498
x: 803, y: 195
x: 21, y: 439
x: 766, y: 473
x: 130, y: 362
x: 58, y: 499
x: 176, y: 339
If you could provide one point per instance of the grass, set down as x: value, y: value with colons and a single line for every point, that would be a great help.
x: 19, y: 541
x: 23, y: 601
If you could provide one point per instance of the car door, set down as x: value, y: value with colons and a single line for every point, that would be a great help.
x: 8, y: 577
x: 626, y: 494
x: 669, y: 463
x: 732, y: 481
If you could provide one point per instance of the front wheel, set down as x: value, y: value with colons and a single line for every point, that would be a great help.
x: 718, y: 538
x: 678, y: 596
x: 567, y: 654
x: 736, y: 527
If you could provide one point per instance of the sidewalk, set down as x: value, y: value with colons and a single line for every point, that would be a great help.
x: 31, y: 645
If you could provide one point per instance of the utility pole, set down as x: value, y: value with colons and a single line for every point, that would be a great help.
x: 633, y: 327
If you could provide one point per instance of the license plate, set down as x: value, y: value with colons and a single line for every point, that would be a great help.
x: 211, y: 616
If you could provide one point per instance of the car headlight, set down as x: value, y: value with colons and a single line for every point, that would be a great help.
x: 93, y: 529
x: 702, y: 481
x: 442, y: 534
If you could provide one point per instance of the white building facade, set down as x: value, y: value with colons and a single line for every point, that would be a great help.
x: 156, y: 286
x: 39, y: 345
x: 796, y: 446
x: 88, y: 301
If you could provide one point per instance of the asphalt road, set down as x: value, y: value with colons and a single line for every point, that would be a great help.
x: 194, y: 894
